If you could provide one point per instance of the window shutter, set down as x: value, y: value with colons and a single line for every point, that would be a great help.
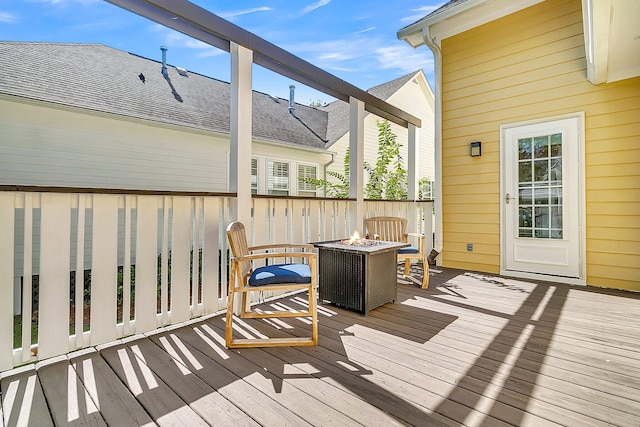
x: 304, y: 188
x: 278, y: 178
x: 254, y: 176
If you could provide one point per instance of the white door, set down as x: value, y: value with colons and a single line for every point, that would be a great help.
x: 541, y: 197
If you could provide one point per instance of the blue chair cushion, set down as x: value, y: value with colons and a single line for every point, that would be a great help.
x: 280, y: 273
x: 408, y: 250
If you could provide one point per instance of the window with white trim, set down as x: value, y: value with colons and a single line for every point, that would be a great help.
x: 305, y: 188
x: 254, y: 176
x: 277, y: 178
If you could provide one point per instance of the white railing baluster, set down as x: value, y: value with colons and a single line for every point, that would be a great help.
x: 53, y: 301
x: 146, y: 264
x: 166, y: 203
x: 210, y: 251
x: 79, y: 273
x: 27, y: 277
x: 195, y: 247
x: 180, y: 249
x: 297, y: 221
x: 7, y: 227
x: 129, y: 206
x: 104, y: 269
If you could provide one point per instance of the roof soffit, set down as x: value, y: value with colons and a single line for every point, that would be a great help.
x: 459, y: 19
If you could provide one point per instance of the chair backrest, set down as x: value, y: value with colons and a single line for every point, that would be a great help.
x: 239, y: 247
x: 388, y: 228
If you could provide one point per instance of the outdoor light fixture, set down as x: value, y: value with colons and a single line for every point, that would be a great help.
x: 475, y: 149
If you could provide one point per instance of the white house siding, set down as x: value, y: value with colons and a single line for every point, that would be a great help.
x: 422, y: 107
x: 49, y: 146
x: 412, y: 99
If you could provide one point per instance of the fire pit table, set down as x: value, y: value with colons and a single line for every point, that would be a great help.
x: 359, y: 276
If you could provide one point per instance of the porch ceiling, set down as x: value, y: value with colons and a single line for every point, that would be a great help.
x: 207, y: 27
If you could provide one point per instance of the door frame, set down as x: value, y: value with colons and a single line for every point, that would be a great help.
x: 582, y: 252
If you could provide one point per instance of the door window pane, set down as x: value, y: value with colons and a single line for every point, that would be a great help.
x: 540, y: 187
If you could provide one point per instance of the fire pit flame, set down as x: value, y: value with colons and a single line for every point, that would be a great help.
x: 356, y: 240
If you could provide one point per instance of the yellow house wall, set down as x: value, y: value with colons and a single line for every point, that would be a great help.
x: 525, y: 66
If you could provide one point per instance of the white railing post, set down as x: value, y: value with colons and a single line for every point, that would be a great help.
x: 240, y: 132
x: 356, y: 161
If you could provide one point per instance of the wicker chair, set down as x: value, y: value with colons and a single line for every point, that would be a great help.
x: 287, y: 276
x: 393, y: 229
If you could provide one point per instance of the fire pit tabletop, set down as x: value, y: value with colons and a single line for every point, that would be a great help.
x: 371, y: 247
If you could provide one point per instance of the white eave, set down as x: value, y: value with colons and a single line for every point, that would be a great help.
x: 611, y: 31
x: 611, y: 39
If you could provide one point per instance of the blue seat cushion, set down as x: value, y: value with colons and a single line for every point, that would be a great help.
x: 280, y: 273
x: 408, y: 250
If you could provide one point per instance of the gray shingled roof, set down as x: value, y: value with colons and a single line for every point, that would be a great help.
x: 339, y: 110
x: 101, y: 78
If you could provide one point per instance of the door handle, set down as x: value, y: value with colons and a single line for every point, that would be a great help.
x: 507, y: 198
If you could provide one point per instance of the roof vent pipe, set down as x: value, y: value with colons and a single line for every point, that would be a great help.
x: 292, y: 92
x: 164, y: 60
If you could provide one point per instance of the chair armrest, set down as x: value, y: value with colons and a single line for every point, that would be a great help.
x: 305, y: 246
x: 421, y: 240
x: 251, y: 257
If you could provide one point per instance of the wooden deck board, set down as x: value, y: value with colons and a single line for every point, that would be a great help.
x: 474, y: 349
x: 68, y: 400
x: 23, y: 401
x: 115, y: 403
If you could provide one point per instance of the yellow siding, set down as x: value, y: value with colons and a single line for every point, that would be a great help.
x: 526, y: 66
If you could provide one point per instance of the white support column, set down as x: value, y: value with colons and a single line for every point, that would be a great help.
x: 356, y: 161
x: 413, y: 160
x: 413, y: 157
x: 240, y: 147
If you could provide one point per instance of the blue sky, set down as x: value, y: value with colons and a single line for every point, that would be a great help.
x: 352, y: 39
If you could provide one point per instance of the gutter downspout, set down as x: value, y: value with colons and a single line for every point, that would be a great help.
x: 437, y: 135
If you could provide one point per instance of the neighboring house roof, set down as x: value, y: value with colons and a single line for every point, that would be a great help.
x: 339, y: 110
x: 104, y: 79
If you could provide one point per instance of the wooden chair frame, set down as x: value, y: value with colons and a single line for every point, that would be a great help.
x: 241, y: 270
x: 394, y: 229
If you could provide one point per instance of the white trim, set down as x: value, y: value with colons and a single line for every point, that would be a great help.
x: 461, y: 18
x: 582, y: 280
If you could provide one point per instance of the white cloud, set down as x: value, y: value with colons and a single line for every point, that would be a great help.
x: 180, y: 40
x: 403, y: 58
x: 64, y: 2
x: 314, y: 6
x: 8, y: 18
x: 366, y: 30
x: 231, y: 15
x: 420, y: 13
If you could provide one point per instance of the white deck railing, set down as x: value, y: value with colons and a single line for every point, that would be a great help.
x: 133, y: 255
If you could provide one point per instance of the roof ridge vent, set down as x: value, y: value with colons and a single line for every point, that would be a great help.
x: 182, y: 71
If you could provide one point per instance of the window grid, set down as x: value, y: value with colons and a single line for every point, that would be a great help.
x: 540, y: 187
x: 305, y: 188
x: 277, y: 178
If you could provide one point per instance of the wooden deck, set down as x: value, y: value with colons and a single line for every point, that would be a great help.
x: 473, y: 349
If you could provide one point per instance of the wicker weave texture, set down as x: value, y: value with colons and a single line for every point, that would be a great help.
x: 357, y: 281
